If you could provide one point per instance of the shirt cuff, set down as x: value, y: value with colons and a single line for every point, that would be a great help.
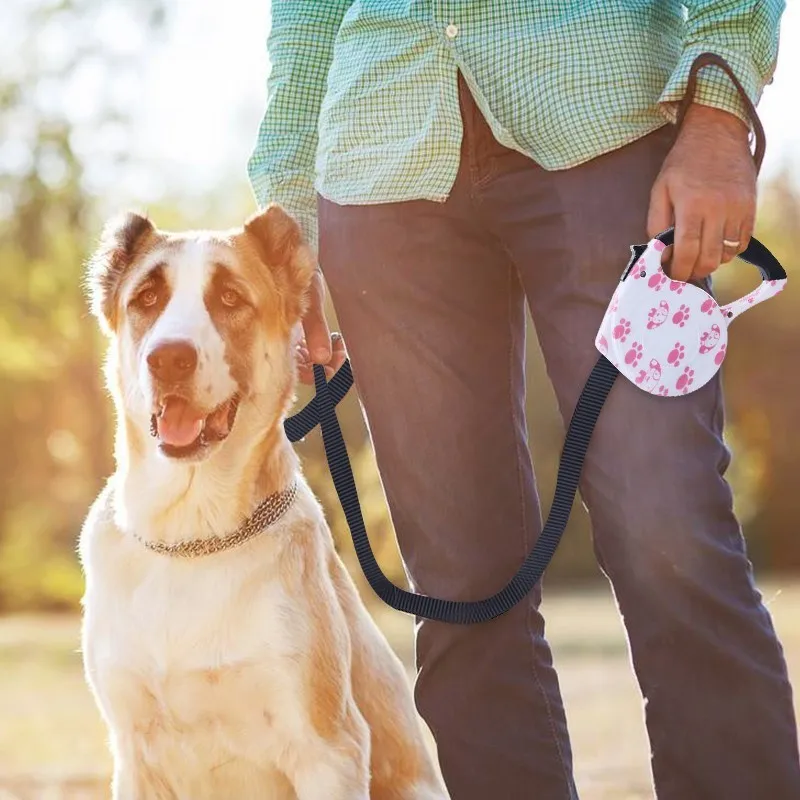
x: 714, y: 88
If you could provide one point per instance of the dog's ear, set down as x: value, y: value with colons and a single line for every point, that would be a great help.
x: 122, y: 239
x: 279, y: 242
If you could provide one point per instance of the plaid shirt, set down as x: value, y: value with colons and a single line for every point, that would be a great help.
x: 363, y: 100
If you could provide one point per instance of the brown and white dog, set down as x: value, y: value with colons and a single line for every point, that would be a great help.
x: 251, y: 671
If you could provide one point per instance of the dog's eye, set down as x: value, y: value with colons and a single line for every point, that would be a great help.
x: 147, y: 298
x: 230, y: 298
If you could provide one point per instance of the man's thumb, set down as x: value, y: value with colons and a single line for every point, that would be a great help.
x: 315, y: 326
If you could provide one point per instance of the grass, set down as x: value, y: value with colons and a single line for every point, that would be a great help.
x: 52, y: 743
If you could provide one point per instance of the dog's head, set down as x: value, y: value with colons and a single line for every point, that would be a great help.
x: 201, y: 325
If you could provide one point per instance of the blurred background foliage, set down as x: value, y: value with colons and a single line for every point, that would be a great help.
x: 56, y: 421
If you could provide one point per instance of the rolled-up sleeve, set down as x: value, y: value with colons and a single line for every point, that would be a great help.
x: 745, y: 34
x: 300, y: 49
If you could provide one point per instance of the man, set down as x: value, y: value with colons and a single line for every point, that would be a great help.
x: 472, y: 155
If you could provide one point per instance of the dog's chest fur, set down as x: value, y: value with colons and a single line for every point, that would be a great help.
x: 192, y: 660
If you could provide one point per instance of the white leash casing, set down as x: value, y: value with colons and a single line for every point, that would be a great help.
x: 669, y: 337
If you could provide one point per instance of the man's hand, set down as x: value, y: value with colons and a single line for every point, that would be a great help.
x: 318, y: 346
x: 707, y: 190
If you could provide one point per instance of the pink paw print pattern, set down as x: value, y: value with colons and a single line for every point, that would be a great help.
x: 681, y: 316
x: 657, y: 315
x: 676, y: 286
x: 764, y: 292
x: 676, y: 355
x: 649, y: 378
x: 622, y: 330
x: 709, y: 339
x: 668, y: 337
x: 708, y: 306
x: 685, y: 380
x: 778, y: 286
x: 634, y: 355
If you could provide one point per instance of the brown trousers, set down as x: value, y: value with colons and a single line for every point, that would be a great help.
x: 430, y: 298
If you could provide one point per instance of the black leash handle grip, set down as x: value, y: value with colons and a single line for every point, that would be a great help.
x: 755, y: 253
x: 305, y: 420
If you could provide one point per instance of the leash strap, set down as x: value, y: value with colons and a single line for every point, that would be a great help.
x: 576, y: 444
x: 712, y: 59
x: 308, y: 418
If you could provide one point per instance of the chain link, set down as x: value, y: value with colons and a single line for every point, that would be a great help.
x: 269, y: 511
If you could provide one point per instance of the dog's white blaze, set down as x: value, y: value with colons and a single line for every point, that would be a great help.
x: 186, y: 318
x: 188, y: 270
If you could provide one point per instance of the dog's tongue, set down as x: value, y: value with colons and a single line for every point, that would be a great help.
x: 178, y: 424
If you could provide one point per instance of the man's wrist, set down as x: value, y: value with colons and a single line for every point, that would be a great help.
x: 698, y: 114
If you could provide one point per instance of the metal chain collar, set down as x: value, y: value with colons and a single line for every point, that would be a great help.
x: 269, y: 511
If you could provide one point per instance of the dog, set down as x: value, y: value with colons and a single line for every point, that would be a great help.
x: 223, y: 640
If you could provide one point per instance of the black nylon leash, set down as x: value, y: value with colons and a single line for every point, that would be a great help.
x: 308, y: 418
x: 576, y: 444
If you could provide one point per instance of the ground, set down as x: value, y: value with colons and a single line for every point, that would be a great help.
x: 52, y: 742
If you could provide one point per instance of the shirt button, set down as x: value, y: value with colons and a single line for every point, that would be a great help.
x: 451, y: 31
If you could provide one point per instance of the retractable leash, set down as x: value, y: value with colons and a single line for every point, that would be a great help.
x: 667, y: 337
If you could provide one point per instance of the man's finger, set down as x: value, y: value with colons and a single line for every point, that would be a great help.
x: 338, y: 352
x: 305, y: 373
x: 315, y: 326
x: 710, y: 255
x: 746, y: 229
x: 305, y: 367
x: 659, y: 216
x: 731, y: 233
x: 688, y: 236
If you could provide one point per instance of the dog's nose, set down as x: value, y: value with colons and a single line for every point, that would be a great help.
x: 172, y: 361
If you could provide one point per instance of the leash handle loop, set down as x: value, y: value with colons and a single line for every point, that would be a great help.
x: 305, y: 420
x: 712, y: 59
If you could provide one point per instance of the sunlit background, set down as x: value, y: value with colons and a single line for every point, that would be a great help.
x: 106, y: 104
